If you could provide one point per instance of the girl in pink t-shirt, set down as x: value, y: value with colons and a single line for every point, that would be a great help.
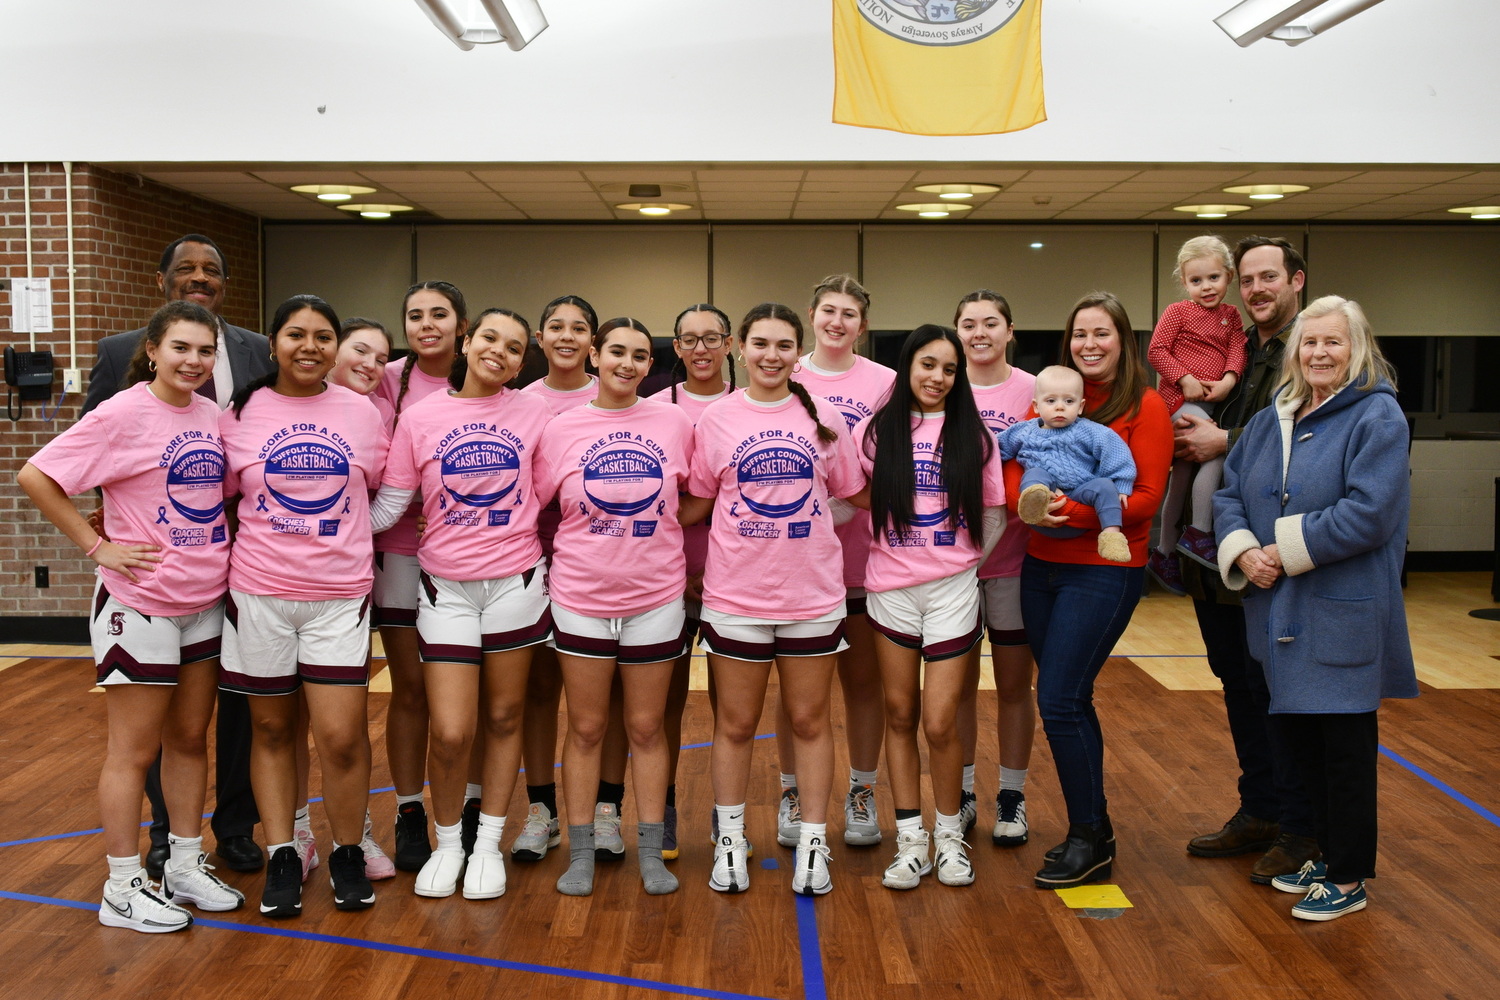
x: 617, y: 577
x: 471, y: 452
x: 701, y: 339
x: 434, y: 317
x: 856, y: 386
x: 936, y: 504
x: 566, y: 330
x: 158, y: 604
x: 302, y: 455
x: 1003, y: 394
x: 767, y: 461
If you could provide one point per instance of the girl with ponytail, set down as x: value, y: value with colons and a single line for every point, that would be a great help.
x: 768, y: 462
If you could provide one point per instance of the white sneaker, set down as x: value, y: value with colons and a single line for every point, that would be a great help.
x: 139, y: 908
x: 201, y: 887
x: 810, y: 878
x: 731, y: 872
x: 1010, y: 819
x: 789, y: 819
x: 439, y: 876
x: 485, y: 876
x: 607, y: 843
x: 307, y: 851
x: 539, y: 835
x: 861, y: 823
x: 952, y: 863
x: 378, y: 864
x: 911, y: 863
x: 968, y: 812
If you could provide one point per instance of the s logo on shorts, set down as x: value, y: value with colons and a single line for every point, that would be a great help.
x: 116, y: 622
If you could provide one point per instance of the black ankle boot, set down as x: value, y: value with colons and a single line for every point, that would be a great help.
x: 1055, y: 852
x: 1085, y: 857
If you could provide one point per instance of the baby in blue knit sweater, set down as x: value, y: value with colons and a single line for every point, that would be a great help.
x: 1064, y: 453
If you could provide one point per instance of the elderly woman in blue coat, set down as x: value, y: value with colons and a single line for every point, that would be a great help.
x: 1313, y: 515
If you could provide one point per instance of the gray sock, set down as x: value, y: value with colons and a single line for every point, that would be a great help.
x: 578, y: 880
x: 654, y: 874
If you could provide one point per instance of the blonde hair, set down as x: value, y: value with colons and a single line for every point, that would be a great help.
x: 1367, y: 366
x: 1201, y: 247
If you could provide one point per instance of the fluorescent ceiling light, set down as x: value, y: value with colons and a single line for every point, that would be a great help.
x: 1037, y: 246
x: 653, y: 208
x: 333, y: 192
x: 373, y: 211
x: 1211, y: 211
x: 1266, y: 192
x: 1332, y: 12
x: 957, y: 192
x: 1479, y: 211
x: 1250, y: 21
x: 935, y: 210
x: 483, y: 22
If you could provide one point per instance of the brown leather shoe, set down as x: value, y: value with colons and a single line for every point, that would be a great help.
x: 1287, y: 855
x: 1243, y: 834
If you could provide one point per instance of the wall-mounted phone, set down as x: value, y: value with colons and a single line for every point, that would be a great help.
x: 29, y: 375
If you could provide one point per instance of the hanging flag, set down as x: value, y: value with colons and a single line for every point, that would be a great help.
x: 938, y: 67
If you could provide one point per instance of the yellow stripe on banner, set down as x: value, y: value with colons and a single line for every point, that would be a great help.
x: 938, y: 67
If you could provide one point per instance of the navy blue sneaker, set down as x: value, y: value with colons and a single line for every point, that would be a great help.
x: 1303, y: 879
x: 1325, y: 901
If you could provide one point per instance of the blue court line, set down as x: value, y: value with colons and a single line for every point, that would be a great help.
x: 448, y: 956
x: 813, y: 987
x: 1442, y: 786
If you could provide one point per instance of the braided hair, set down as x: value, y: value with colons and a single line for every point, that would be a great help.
x: 777, y: 311
x: 677, y: 366
x: 460, y: 309
x: 282, y: 316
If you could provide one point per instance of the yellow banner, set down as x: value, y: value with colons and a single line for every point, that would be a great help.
x: 938, y: 67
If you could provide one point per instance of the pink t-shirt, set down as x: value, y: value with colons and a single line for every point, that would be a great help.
x: 772, y: 552
x: 162, y: 471
x: 694, y: 536
x: 561, y: 401
x: 401, y: 539
x: 932, y: 548
x: 303, y: 467
x: 999, y: 407
x: 856, y: 394
x: 474, y: 461
x: 616, y: 475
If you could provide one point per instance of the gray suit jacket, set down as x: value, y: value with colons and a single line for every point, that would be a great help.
x: 248, y: 352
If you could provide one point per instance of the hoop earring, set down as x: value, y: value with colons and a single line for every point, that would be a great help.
x: 739, y: 359
x: 150, y: 366
x: 796, y: 368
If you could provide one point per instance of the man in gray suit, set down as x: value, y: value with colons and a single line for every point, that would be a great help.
x: 192, y: 270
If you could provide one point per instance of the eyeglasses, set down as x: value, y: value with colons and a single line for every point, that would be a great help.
x: 712, y: 341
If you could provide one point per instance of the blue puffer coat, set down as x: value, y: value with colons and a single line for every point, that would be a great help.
x: 1333, y: 492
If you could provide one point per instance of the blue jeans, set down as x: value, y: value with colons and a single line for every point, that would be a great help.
x: 1074, y: 614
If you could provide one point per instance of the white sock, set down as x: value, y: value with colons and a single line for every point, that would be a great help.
x: 185, y: 851
x: 731, y: 820
x: 471, y: 791
x: 811, y: 830
x: 857, y: 778
x: 942, y: 822
x: 402, y: 800
x: 1013, y: 779
x: 122, y: 870
x: 273, y: 848
x: 788, y: 781
x: 969, y: 778
x: 912, y: 824
x: 490, y: 830
x: 302, y: 821
x: 450, y: 838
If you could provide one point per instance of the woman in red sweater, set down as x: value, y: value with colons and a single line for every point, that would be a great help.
x: 1075, y: 604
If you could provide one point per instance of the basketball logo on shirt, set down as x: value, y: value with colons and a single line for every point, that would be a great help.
x: 307, y: 472
x: 479, y: 469
x: 195, y: 484
x: 624, y: 480
x: 775, y: 479
x: 930, y: 486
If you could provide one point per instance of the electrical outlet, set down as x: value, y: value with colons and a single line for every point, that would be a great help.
x: 72, y: 380
x: 42, y: 579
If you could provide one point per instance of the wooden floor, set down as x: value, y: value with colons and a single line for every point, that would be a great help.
x: 1168, y: 925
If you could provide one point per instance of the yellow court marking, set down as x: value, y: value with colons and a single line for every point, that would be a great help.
x: 1095, y: 897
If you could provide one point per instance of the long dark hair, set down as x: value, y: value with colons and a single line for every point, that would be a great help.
x: 139, y: 369
x: 965, y: 442
x: 678, y: 368
x: 460, y: 309
x: 283, y: 315
x: 1130, y: 381
x: 460, y: 369
x: 775, y: 310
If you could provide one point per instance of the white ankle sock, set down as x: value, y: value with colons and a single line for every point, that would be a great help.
x: 1013, y: 779
x: 185, y: 851
x: 857, y: 778
x: 969, y: 778
x: 491, y: 828
x: 912, y: 824
x: 302, y: 821
x: 472, y: 791
x: 788, y: 781
x: 811, y: 830
x: 950, y: 823
x: 731, y: 820
x: 122, y: 870
x: 450, y: 838
x: 402, y: 800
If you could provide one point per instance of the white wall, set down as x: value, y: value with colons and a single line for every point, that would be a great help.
x: 710, y: 80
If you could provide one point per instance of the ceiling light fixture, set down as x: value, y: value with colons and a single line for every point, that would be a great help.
x: 1037, y: 246
x: 1211, y: 211
x: 1479, y: 211
x: 332, y: 192
x: 657, y: 209
x: 484, y: 22
x: 957, y: 192
x: 934, y: 210
x: 373, y: 211
x: 1266, y: 192
x: 1290, y: 21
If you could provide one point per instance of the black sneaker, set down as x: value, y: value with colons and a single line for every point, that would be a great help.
x: 283, y: 895
x: 469, y: 826
x: 412, y: 846
x: 346, y: 872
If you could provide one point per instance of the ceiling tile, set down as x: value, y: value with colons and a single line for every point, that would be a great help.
x: 534, y: 176
x: 418, y: 176
x: 963, y: 175
x: 640, y: 175
x: 860, y: 176
x: 1410, y: 176
x: 724, y: 186
x: 1069, y: 176
x: 716, y: 174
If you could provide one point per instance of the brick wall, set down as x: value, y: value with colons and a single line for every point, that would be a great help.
x: 120, y: 225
